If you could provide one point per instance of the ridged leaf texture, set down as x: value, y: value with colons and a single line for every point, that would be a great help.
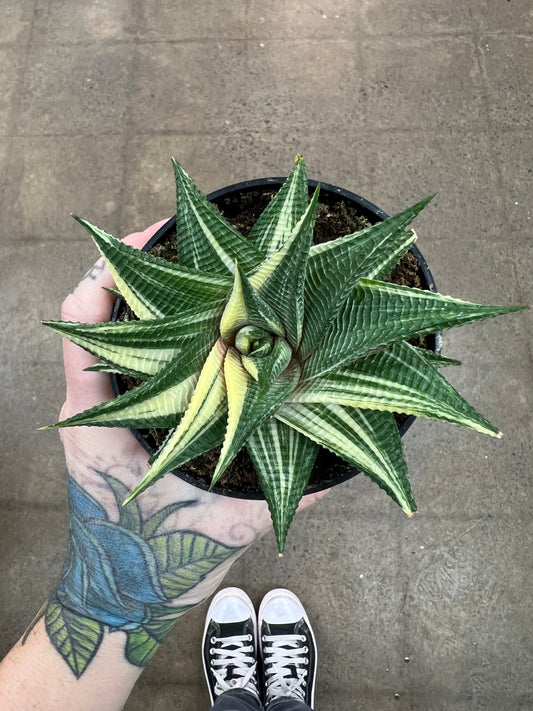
x: 274, y: 344
x: 283, y: 459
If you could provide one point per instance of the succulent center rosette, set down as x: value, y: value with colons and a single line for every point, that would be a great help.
x: 254, y: 342
x: 275, y: 344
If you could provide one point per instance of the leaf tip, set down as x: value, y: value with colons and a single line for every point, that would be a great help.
x: 280, y: 555
x: 499, y: 434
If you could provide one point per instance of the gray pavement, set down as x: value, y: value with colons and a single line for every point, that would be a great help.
x: 393, y: 100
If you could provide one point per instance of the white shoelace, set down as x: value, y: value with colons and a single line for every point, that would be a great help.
x: 284, y: 657
x: 233, y: 653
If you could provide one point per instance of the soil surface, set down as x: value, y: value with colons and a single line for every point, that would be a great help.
x: 335, y: 218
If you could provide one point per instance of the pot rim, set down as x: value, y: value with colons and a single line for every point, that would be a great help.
x: 369, y: 210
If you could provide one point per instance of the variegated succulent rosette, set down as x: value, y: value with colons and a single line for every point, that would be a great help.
x: 276, y: 344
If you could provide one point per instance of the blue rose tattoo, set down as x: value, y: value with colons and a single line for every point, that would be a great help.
x: 122, y: 576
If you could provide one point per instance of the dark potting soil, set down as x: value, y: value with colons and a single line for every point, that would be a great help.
x: 334, y: 218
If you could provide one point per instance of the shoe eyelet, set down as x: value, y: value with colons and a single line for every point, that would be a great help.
x: 211, y: 651
x: 306, y: 661
x: 263, y: 638
x: 305, y: 650
x: 249, y: 638
x: 213, y: 640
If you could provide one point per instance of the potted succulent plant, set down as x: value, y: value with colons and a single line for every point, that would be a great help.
x: 274, y: 344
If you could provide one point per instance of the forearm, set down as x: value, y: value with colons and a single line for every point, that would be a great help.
x: 127, y: 579
x: 35, y: 676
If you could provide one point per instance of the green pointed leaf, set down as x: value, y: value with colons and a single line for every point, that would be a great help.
x: 185, y: 558
x: 76, y: 638
x: 249, y: 404
x: 377, y: 314
x: 398, y: 379
x: 436, y: 359
x: 283, y: 213
x: 335, y: 267
x: 152, y: 286
x: 201, y: 427
x: 114, y: 292
x: 280, y: 279
x: 139, y: 347
x: 366, y: 439
x: 246, y: 308
x: 205, y: 240
x: 105, y: 367
x: 158, y: 401
x: 283, y: 459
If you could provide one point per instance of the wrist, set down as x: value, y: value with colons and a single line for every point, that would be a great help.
x: 34, y: 675
x: 79, y: 634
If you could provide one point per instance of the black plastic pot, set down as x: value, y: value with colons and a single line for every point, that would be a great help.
x: 224, y: 199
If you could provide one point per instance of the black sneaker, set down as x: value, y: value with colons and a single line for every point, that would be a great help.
x: 230, y: 644
x: 288, y: 648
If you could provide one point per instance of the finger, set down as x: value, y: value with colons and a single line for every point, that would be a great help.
x: 311, y: 499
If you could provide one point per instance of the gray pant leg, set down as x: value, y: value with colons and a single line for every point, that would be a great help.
x: 287, y: 704
x: 238, y: 700
x: 242, y: 700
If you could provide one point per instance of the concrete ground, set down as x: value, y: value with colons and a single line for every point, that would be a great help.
x: 393, y: 100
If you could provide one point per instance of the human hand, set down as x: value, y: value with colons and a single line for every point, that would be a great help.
x: 135, y: 569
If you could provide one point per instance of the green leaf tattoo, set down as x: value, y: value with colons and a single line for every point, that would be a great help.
x: 75, y: 637
x: 185, y: 558
x: 144, y: 642
x: 124, y: 576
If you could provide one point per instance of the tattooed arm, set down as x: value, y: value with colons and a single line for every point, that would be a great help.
x: 130, y: 572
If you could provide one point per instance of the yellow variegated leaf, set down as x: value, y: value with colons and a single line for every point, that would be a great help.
x: 205, y: 240
x: 280, y: 279
x: 154, y: 287
x: 369, y: 440
x: 206, y: 409
x: 277, y: 221
x: 249, y: 403
x: 246, y: 308
x: 157, y: 402
x: 140, y: 347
